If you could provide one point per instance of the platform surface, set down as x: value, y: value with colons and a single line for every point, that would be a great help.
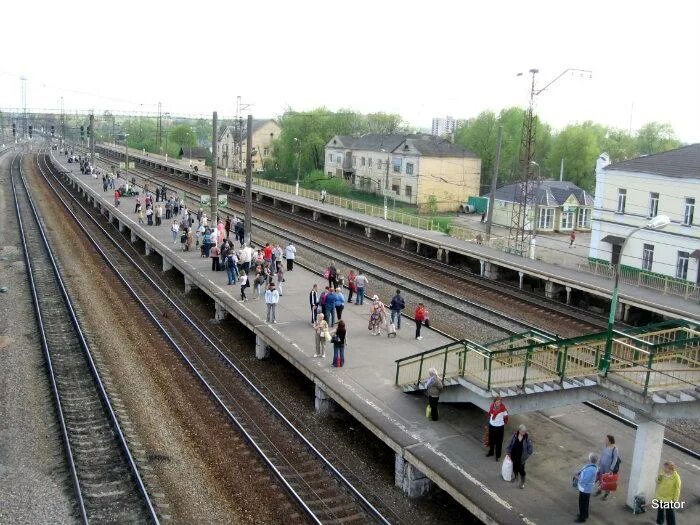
x: 448, y: 451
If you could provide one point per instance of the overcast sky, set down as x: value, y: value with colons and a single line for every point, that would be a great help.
x: 430, y: 59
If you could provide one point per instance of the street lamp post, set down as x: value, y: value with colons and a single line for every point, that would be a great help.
x: 296, y: 186
x: 657, y: 223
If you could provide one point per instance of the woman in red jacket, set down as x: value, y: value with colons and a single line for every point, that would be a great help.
x: 498, y: 417
x: 420, y: 315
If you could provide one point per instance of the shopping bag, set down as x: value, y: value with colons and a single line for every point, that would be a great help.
x: 608, y: 482
x: 485, y: 436
x: 427, y: 412
x: 507, y: 469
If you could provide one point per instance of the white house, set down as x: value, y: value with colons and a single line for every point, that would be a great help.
x: 629, y: 193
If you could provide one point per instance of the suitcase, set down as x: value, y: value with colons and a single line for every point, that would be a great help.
x: 391, y: 330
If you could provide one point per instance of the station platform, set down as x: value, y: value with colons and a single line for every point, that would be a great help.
x: 553, y: 275
x: 448, y: 452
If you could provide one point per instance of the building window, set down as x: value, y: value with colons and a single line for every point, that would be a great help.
x: 546, y: 218
x: 340, y: 158
x: 396, y: 188
x: 682, y: 265
x: 653, y: 204
x: 330, y: 157
x: 266, y: 151
x: 354, y: 161
x: 688, y: 211
x: 409, y: 168
x: 379, y: 164
x: 584, y: 218
x: 408, y: 190
x: 621, y: 200
x: 647, y: 257
x: 330, y: 173
x: 567, y: 220
x: 397, y: 164
x: 369, y: 162
x: 363, y: 161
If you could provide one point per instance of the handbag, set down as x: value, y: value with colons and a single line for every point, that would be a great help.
x: 427, y: 323
x: 428, y: 412
x: 326, y: 273
x: 485, y: 436
x: 507, y: 469
x: 327, y: 336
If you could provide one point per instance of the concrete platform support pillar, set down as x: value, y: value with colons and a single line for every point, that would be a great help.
x: 315, y: 215
x: 550, y: 290
x: 219, y: 312
x: 262, y: 351
x: 521, y: 275
x: 619, y: 311
x: 489, y: 270
x: 322, y: 402
x: 626, y: 312
x: 167, y: 265
x: 648, y: 444
x: 122, y: 227
x: 409, y: 479
x: 94, y: 204
x: 148, y: 249
x: 340, y: 222
x: 439, y: 254
x: 447, y: 256
x: 133, y: 236
x: 275, y: 203
x: 189, y: 284
x: 294, y: 208
x: 258, y: 197
x: 368, y: 232
x: 417, y: 247
x: 403, y: 243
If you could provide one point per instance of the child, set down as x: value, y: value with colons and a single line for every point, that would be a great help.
x: 244, y: 285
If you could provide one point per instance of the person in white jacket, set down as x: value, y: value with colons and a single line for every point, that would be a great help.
x: 272, y: 297
x: 290, y: 253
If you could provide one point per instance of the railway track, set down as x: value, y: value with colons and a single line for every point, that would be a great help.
x: 323, y: 493
x: 106, y: 480
x: 422, y: 277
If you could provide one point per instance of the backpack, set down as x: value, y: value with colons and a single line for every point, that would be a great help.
x: 616, y: 466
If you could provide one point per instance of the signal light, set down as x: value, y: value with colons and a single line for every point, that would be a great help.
x: 30, y: 131
x: 52, y: 130
x: 14, y: 129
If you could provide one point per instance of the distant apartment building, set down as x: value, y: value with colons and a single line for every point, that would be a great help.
x: 232, y: 144
x: 415, y: 169
x: 631, y: 192
x: 445, y: 126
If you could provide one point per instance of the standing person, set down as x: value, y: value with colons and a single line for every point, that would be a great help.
x: 206, y: 242
x: 498, y: 417
x: 323, y: 196
x: 607, y: 462
x: 277, y: 254
x: 168, y: 209
x: 227, y: 226
x: 137, y: 204
x: 519, y: 449
x: 420, y: 315
x: 322, y: 301
x: 149, y: 215
x: 245, y: 256
x: 231, y: 264
x: 157, y: 194
x: 338, y: 340
x: 290, y: 252
x: 351, y: 284
x: 331, y: 297
x: 314, y: 302
x: 377, y: 316
x: 280, y: 277
x: 585, y: 481
x: 140, y: 214
x: 332, y: 273
x: 267, y: 254
x: 174, y: 230
x: 433, y: 387
x: 189, y: 240
x: 572, y: 237
x: 360, y: 282
x: 272, y: 297
x: 116, y: 198
x: 321, y: 330
x: 159, y: 215
x: 339, y: 302
x: 244, y: 284
x: 214, y: 253
x: 396, y: 306
x: 668, y: 490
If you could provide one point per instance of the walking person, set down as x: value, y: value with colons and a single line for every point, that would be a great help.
x: 314, y: 302
x: 332, y: 276
x: 272, y: 297
x: 174, y: 230
x: 572, y: 237
x: 668, y: 492
x: 585, y: 481
x: 227, y: 226
x: 498, y: 417
x: 322, y: 336
x: 377, y: 316
x: 519, y: 449
x: 214, y: 253
x: 280, y: 277
x: 608, y: 463
x: 290, y: 252
x: 433, y: 388
x: 360, y: 282
x: 352, y: 287
x: 244, y: 284
x: 396, y: 306
x: 339, y: 302
x: 338, y: 341
x: 420, y: 315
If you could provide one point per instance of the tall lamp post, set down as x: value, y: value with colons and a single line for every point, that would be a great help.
x: 657, y: 223
x: 298, y: 144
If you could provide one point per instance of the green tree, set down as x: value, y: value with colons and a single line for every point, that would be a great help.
x: 619, y: 144
x: 579, y: 146
x: 655, y: 137
x: 182, y: 135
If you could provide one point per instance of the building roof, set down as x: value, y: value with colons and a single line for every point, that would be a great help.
x: 682, y: 162
x: 257, y: 124
x: 546, y: 193
x: 425, y: 144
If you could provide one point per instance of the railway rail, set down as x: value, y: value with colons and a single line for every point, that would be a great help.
x: 105, y: 477
x: 323, y: 493
x: 552, y: 318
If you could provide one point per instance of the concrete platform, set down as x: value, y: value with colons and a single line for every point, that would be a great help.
x: 448, y: 452
x: 555, y: 276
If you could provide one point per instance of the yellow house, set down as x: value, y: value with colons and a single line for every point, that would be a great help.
x: 232, y: 144
x: 418, y: 169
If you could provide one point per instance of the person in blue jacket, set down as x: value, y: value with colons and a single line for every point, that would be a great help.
x: 585, y: 482
x: 331, y: 300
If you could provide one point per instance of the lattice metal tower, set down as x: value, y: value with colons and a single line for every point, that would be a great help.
x: 25, y: 117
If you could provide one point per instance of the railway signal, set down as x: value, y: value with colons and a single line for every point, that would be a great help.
x: 82, y: 132
x: 14, y: 129
x: 52, y: 130
x: 88, y: 131
x: 30, y: 131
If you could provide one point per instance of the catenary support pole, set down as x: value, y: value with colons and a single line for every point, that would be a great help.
x: 494, y: 182
x: 92, y: 139
x: 214, y: 186
x: 249, y: 180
